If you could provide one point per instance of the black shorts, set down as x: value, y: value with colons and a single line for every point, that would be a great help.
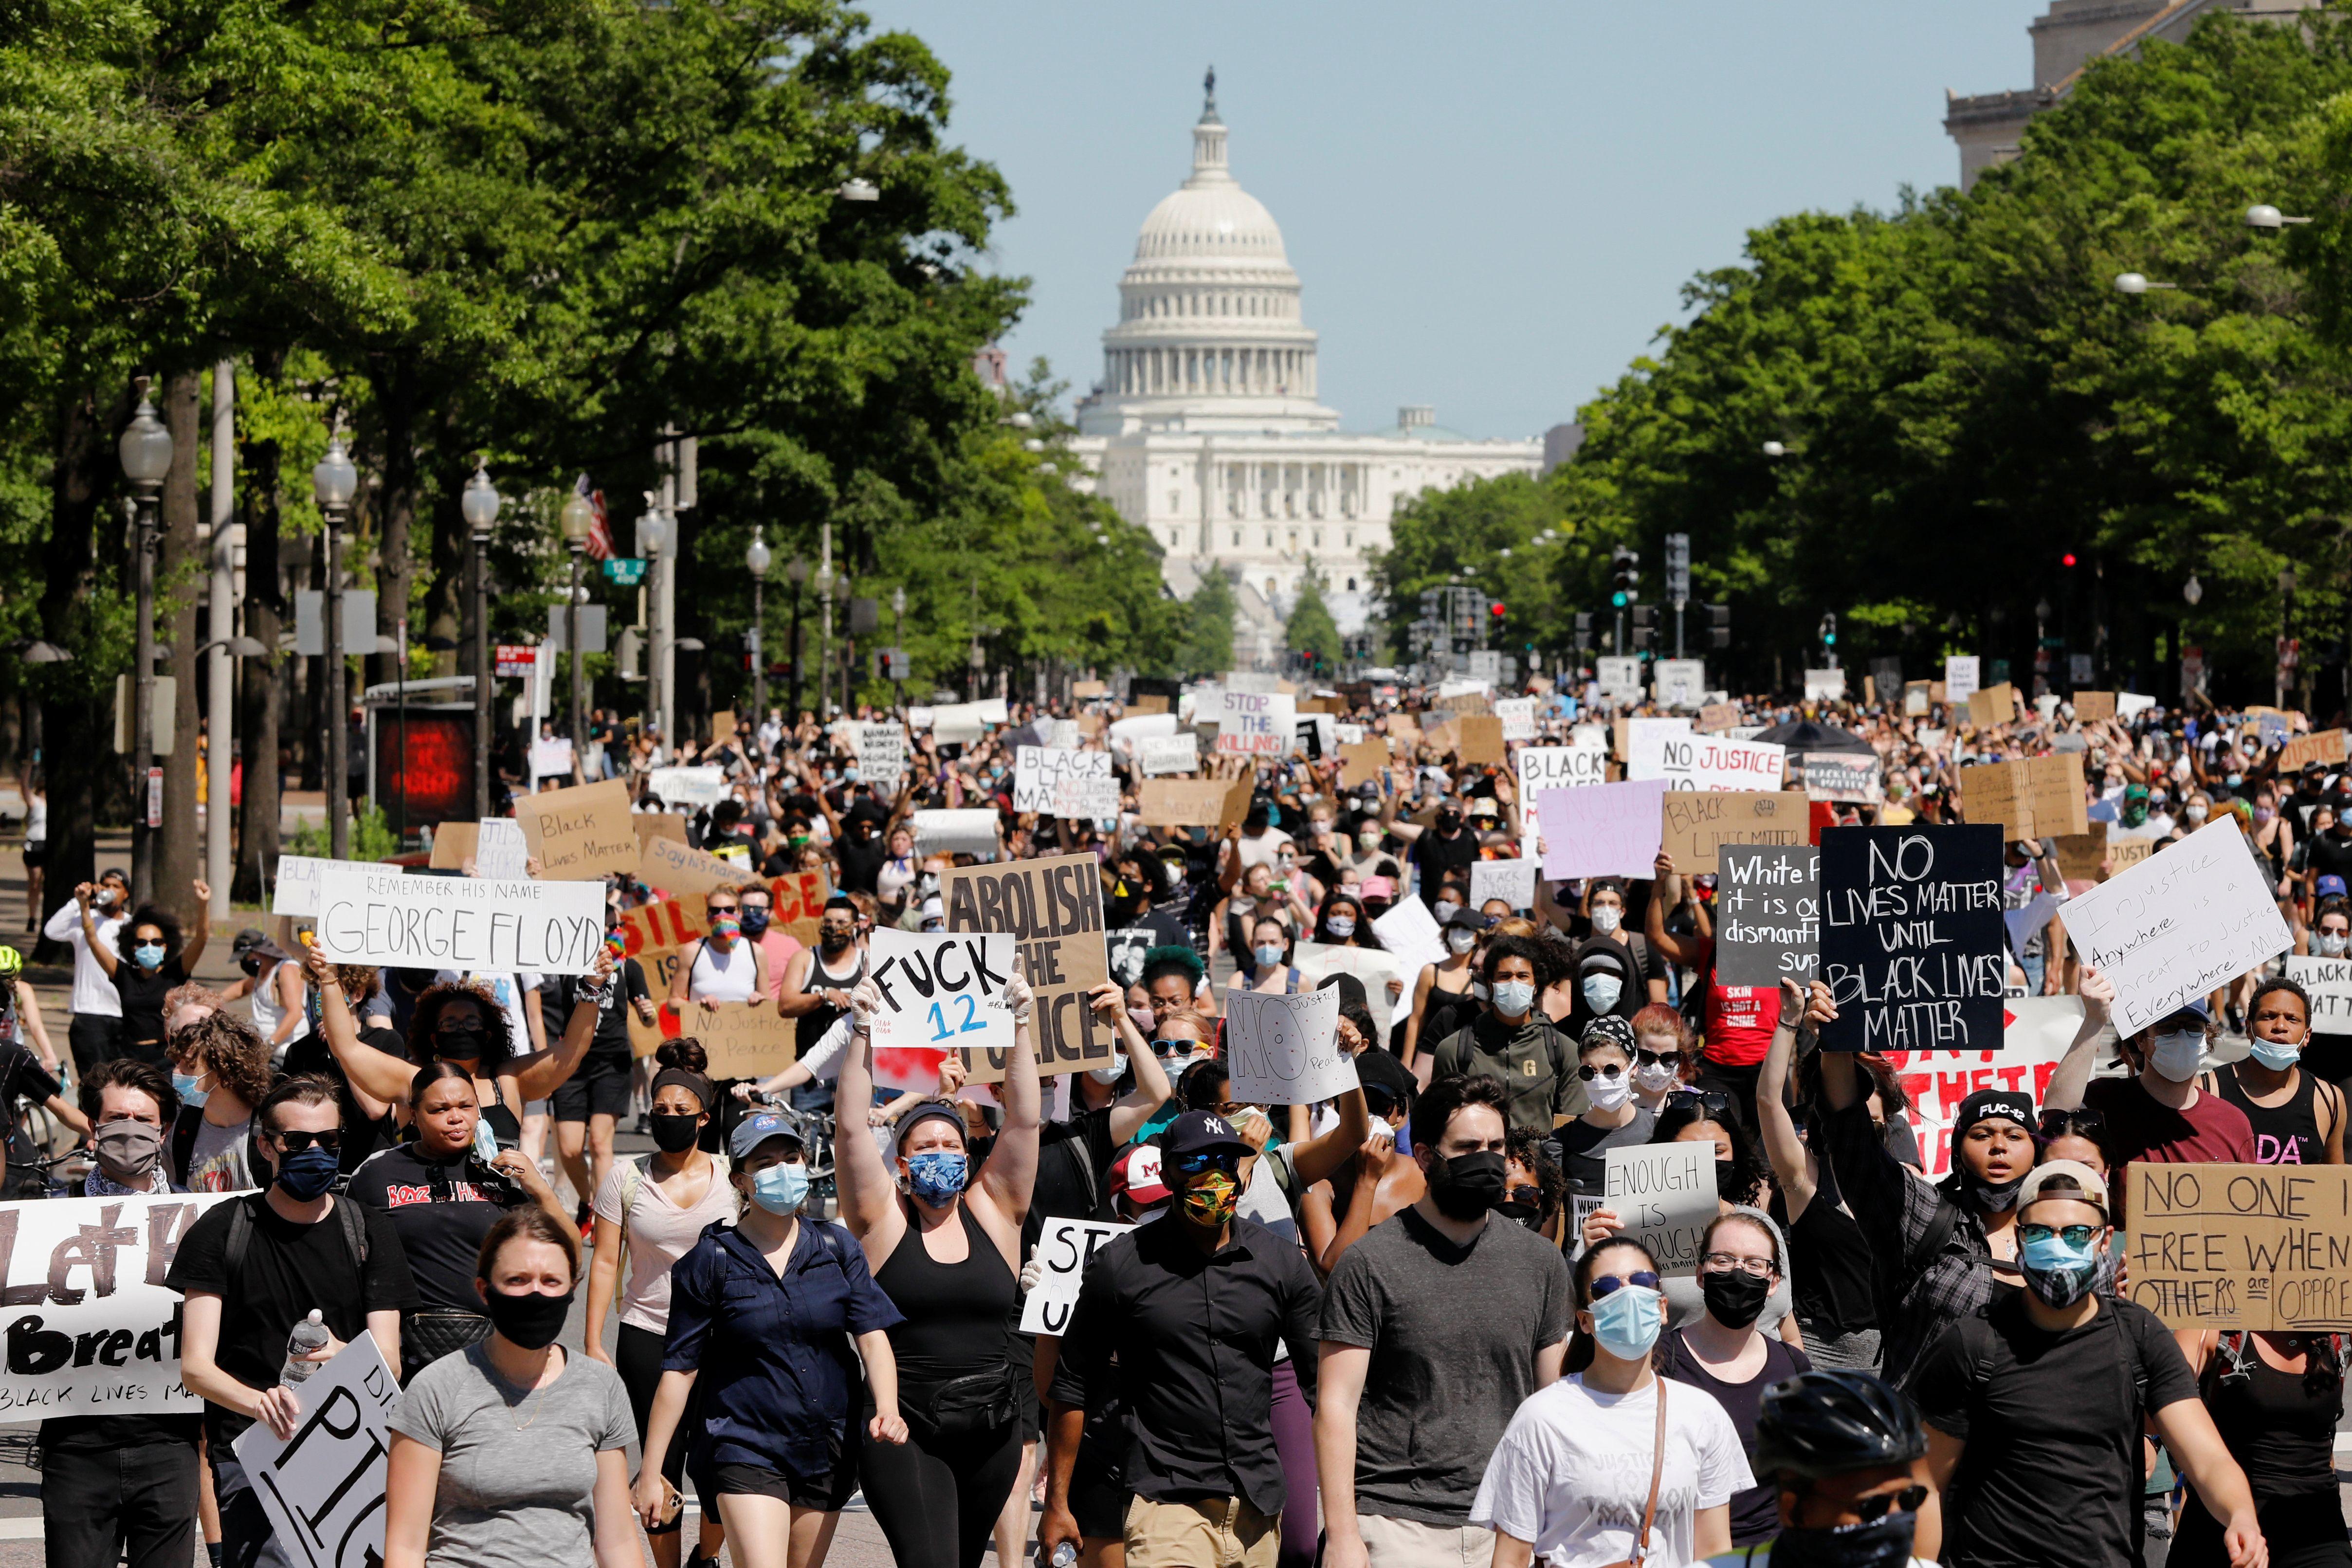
x: 598, y: 1088
x: 828, y: 1493
x: 36, y: 855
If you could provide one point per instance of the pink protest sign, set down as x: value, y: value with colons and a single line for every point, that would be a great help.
x: 1601, y: 830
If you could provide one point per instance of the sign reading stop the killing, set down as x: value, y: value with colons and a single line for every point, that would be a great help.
x: 1052, y: 909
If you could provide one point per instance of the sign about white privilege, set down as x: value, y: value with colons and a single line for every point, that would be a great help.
x: 1284, y: 1050
x: 1545, y: 768
x: 1161, y: 755
x: 1666, y: 748
x: 1063, y: 782
x: 1257, y: 723
x: 940, y: 992
x: 1664, y: 1193
x: 297, y: 892
x: 89, y: 1328
x: 323, y: 1487
x: 2329, y: 981
x: 2178, y: 924
x: 1064, y: 1250
x: 372, y: 914
x: 705, y: 786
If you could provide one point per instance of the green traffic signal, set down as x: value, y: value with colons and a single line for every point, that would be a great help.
x: 1618, y: 599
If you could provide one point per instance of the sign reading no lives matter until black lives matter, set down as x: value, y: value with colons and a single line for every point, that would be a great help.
x: 1911, y: 938
x: 372, y: 914
x: 1052, y: 909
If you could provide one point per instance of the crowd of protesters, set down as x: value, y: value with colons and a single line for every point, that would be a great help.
x: 1400, y: 1328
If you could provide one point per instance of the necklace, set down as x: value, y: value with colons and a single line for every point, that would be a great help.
x: 538, y: 1389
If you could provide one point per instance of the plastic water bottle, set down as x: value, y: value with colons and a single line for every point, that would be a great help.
x: 1065, y: 1554
x: 310, y: 1336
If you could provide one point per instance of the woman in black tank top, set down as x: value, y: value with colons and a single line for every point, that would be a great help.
x: 945, y: 1247
x: 2297, y: 1117
x: 2274, y: 1399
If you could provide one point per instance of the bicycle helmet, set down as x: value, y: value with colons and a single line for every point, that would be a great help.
x: 1830, y: 1422
x: 12, y: 962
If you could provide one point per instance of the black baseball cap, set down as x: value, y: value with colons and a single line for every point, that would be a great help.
x: 1198, y: 1132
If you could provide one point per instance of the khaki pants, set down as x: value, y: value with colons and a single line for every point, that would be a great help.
x: 1409, y: 1544
x: 1209, y: 1532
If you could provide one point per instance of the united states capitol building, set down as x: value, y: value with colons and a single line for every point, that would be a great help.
x: 1206, y: 426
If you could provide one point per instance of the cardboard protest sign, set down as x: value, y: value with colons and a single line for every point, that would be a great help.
x: 1605, y: 830
x: 1445, y: 739
x: 2126, y: 850
x: 2329, y: 981
x: 1284, y: 1050
x: 1689, y: 760
x: 372, y: 914
x: 1360, y: 761
x: 1063, y: 782
x: 2241, y: 1246
x: 323, y: 1488
x: 2038, y: 1030
x: 297, y: 892
x: 1519, y: 717
x: 1052, y: 910
x: 662, y: 924
x: 1148, y: 702
x: 2302, y: 751
x: 579, y: 834
x: 651, y: 824
x: 1543, y: 768
x: 1960, y: 677
x: 90, y: 1330
x: 499, y: 852
x: 1695, y: 826
x: 1482, y: 739
x: 1768, y: 912
x: 2041, y: 797
x: 1993, y: 705
x: 1064, y: 1250
x: 1408, y: 929
x: 1911, y: 938
x: 745, y: 1039
x: 1192, y: 803
x: 1716, y: 717
x: 1315, y: 961
x: 669, y: 864
x: 1512, y: 881
x: 1162, y: 755
x: 1256, y: 724
x: 969, y: 830
x: 453, y: 845
x: 2178, y: 924
x: 692, y: 786
x: 1665, y: 1195
x: 796, y: 902
x: 940, y: 992
x: 2091, y: 707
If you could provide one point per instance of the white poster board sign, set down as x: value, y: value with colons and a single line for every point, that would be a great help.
x: 1519, y: 717
x: 882, y: 753
x: 499, y: 852
x: 1161, y: 755
x: 703, y: 785
x: 89, y: 1328
x: 1512, y: 881
x: 551, y: 756
x: 971, y: 830
x: 1257, y: 723
x: 372, y: 914
x: 1284, y: 1050
x: 1824, y: 685
x: 1315, y: 961
x: 1692, y: 762
x: 1960, y: 680
x: 1408, y: 930
x: 297, y: 892
x: 1682, y: 683
x: 941, y: 991
x: 2329, y: 981
x: 2178, y: 924
x: 1063, y: 782
x: 323, y: 1487
x: 1665, y: 1195
x: 1545, y: 768
x: 1064, y: 1250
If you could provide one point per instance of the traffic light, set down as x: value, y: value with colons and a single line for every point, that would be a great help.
x: 1625, y: 573
x: 1677, y: 567
x: 1645, y: 626
x: 1583, y: 630
x: 1829, y: 631
x: 1718, y: 625
x: 1497, y: 610
x: 2067, y: 559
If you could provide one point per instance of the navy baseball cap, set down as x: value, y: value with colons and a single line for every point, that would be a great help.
x: 756, y: 1130
x: 2331, y: 886
x: 1198, y: 1132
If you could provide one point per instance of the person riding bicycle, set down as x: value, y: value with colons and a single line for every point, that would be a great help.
x: 26, y: 1079
x: 20, y: 1012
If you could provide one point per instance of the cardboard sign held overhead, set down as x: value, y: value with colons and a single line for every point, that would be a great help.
x: 669, y: 864
x: 2302, y: 751
x: 1716, y: 717
x: 1696, y: 824
x: 1194, y: 802
x: 2041, y: 797
x: 2090, y: 707
x: 745, y: 1039
x: 653, y: 824
x: 1361, y: 762
x: 1052, y: 909
x: 1482, y: 739
x: 578, y: 835
x: 453, y: 845
x: 2081, y: 854
x: 1993, y: 705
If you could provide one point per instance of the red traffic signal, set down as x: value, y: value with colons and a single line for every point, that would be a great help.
x: 1496, y: 609
x: 2067, y: 559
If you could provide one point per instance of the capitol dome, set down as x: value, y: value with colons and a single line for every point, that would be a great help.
x: 1210, y: 217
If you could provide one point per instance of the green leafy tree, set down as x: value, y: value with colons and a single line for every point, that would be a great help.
x: 1209, y: 615
x: 1310, y: 632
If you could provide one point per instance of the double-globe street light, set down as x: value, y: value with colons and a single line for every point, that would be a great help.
x: 758, y: 558
x: 479, y: 503
x: 145, y: 450
x: 334, y: 482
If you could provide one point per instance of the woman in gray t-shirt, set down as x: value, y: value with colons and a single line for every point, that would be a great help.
x: 512, y: 1453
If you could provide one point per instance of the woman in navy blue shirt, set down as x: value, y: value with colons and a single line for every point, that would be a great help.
x: 763, y: 1312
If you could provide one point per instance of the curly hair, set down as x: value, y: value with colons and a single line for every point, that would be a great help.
x: 499, y: 1044
x: 229, y: 1048
x: 1551, y: 1188
x: 1744, y: 1183
x: 162, y: 920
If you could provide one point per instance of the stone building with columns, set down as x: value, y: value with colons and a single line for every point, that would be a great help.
x: 1206, y: 428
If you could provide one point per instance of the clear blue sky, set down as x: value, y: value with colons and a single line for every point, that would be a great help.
x: 1493, y: 208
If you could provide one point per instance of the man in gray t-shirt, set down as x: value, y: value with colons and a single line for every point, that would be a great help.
x: 518, y: 1465
x: 1435, y: 1326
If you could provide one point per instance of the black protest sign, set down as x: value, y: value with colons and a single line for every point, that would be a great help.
x: 1911, y: 938
x: 1053, y: 911
x: 1768, y: 913
x: 1126, y: 948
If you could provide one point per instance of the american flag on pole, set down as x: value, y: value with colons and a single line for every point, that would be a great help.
x: 600, y: 535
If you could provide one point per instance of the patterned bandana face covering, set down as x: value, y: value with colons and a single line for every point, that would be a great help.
x: 937, y: 1176
x: 1211, y: 1197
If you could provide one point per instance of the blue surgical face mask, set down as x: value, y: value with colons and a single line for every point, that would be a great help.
x: 308, y: 1173
x: 148, y: 955
x: 1627, y: 1322
x: 1267, y: 955
x: 850, y: 774
x: 1514, y: 997
x: 938, y: 1175
x: 2056, y: 1272
x: 2274, y: 1055
x: 780, y: 1189
x: 1602, y: 990
x: 189, y: 1088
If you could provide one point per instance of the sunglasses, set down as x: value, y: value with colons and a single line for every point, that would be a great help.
x: 1658, y: 1058
x: 1712, y: 1100
x: 1871, y: 1509
x: 2075, y: 1234
x: 332, y: 1141
x: 1223, y: 1160
x: 1588, y: 1073
x: 1610, y: 1284
x: 2090, y: 1124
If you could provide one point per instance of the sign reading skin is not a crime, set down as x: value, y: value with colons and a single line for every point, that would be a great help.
x: 372, y: 914
x: 1052, y: 910
x: 1911, y: 938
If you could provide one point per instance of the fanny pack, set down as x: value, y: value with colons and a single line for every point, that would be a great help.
x: 435, y: 1332
x: 979, y: 1402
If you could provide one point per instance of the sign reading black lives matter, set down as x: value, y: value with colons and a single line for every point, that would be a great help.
x: 1052, y: 909
x: 372, y: 914
x: 1768, y: 913
x: 1911, y: 938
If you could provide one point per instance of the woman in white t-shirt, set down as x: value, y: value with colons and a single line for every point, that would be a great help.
x: 1595, y: 1470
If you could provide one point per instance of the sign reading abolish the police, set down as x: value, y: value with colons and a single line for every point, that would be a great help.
x: 940, y: 994
x: 1911, y: 938
x: 372, y: 914
x: 1052, y: 909
x: 88, y: 1327
x: 2243, y: 1247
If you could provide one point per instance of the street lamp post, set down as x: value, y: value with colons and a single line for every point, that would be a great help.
x: 823, y: 634
x: 334, y: 482
x: 798, y: 572
x: 479, y: 503
x: 146, y: 451
x: 2286, y: 629
x: 899, y: 638
x: 654, y: 533
x: 757, y: 557
x: 848, y: 642
x: 577, y: 518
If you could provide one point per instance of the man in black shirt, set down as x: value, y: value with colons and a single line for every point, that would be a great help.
x: 279, y: 1255
x: 1446, y: 845
x: 1074, y: 1157
x: 2036, y: 1408
x: 1183, y: 1318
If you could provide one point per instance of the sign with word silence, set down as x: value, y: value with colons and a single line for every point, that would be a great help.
x: 372, y: 914
x: 1284, y: 1050
x: 1911, y: 938
x: 1052, y: 912
x: 940, y: 993
x: 2243, y: 1247
x: 1064, y: 1250
x: 323, y: 1488
x: 1768, y: 912
x: 2178, y: 924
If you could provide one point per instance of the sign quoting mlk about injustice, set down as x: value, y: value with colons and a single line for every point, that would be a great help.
x: 323, y: 1488
x: 1052, y: 909
x: 90, y: 1329
x: 372, y: 914
x: 1911, y: 938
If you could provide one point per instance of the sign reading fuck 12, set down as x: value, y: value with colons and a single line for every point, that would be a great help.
x: 1256, y: 724
x: 940, y: 993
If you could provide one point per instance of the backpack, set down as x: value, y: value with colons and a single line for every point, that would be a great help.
x: 351, y: 1222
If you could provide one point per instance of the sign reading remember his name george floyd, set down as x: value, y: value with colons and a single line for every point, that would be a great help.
x: 372, y: 914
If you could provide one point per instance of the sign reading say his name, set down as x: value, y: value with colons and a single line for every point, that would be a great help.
x: 89, y: 1328
x: 1284, y: 1050
x: 372, y: 914
x: 1695, y: 826
x: 1911, y: 938
x: 2329, y: 981
x: 1256, y: 724
x: 323, y: 1488
x: 704, y: 785
x: 940, y: 992
x: 2178, y: 924
x: 1064, y: 1250
x: 579, y: 834
x: 1768, y: 912
x: 2243, y: 1247
x: 1543, y: 768
x: 1063, y: 782
x: 1607, y: 830
x: 1052, y: 910
x: 297, y: 892
x: 2040, y: 1029
x: 1664, y: 1193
